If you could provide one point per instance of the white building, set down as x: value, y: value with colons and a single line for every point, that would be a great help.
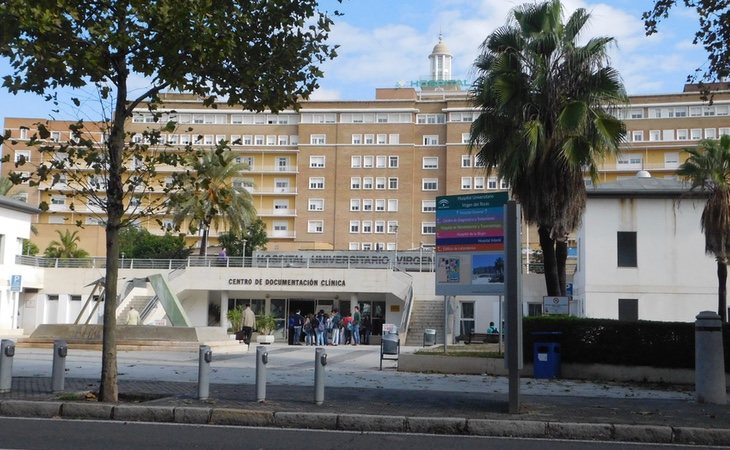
x: 641, y: 252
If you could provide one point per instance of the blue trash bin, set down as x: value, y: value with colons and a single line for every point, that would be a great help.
x: 546, y: 355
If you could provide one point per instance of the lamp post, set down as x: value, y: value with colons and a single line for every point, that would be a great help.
x: 243, y: 252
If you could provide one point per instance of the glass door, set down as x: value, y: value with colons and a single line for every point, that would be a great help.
x: 467, y: 318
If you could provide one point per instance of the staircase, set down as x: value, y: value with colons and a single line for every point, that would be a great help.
x: 425, y: 314
x: 139, y: 303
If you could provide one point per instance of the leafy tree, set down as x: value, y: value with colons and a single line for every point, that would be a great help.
x: 210, y: 197
x: 66, y: 247
x: 545, y: 115
x: 259, y: 54
x: 713, y: 33
x: 708, y: 169
x: 30, y: 248
x: 137, y: 242
x: 254, y: 236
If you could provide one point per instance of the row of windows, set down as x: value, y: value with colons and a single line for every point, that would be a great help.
x: 671, y: 112
x: 357, y: 226
x: 293, y: 119
x: 375, y: 139
x: 468, y: 183
x: 379, y: 205
x: 378, y: 183
x: 377, y: 161
x: 213, y: 139
x: 24, y: 133
x: 693, y: 134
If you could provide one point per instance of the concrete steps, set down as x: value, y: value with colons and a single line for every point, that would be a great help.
x: 139, y: 302
x: 426, y: 314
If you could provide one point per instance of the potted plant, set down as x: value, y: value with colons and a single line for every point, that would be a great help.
x: 235, y: 317
x: 265, y: 326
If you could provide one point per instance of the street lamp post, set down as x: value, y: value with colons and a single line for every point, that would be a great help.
x: 243, y: 252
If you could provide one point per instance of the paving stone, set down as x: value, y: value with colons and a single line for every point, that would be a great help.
x: 225, y: 416
x: 701, y: 436
x: 90, y: 410
x: 189, y: 414
x: 642, y: 433
x: 357, y: 422
x: 587, y: 431
x: 143, y: 413
x: 436, y: 425
x: 320, y: 421
x: 516, y: 428
x: 29, y: 408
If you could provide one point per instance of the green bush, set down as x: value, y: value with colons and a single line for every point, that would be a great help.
x: 604, y: 341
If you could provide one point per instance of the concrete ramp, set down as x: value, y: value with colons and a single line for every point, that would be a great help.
x: 129, y: 337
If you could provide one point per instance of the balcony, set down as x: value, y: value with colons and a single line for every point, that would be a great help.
x: 636, y: 167
x: 277, y: 212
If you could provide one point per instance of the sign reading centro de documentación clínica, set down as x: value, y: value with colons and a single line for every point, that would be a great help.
x: 470, y: 244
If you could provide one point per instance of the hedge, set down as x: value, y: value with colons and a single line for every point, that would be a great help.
x: 605, y: 341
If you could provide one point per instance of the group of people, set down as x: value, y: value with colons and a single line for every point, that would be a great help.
x: 327, y: 329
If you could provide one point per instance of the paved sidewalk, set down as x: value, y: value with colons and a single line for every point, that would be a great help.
x: 355, y: 386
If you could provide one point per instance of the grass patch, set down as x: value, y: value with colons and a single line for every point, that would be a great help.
x: 474, y: 351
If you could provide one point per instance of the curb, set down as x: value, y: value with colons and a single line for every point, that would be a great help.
x: 368, y: 423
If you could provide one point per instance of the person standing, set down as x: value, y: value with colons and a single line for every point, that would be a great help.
x: 335, y: 321
x: 132, y: 316
x: 249, y: 320
x: 321, y: 328
x: 298, y: 322
x: 356, y: 321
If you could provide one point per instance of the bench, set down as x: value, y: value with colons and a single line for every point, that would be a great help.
x: 479, y: 338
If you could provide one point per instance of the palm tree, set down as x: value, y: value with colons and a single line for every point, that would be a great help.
x: 66, y: 247
x: 546, y: 117
x: 708, y: 169
x: 211, y: 197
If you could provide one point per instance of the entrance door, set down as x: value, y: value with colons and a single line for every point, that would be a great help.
x: 373, y: 313
x: 303, y: 305
x: 467, y: 318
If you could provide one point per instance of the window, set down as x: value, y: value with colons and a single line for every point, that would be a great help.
x: 431, y: 139
x: 695, y: 111
x: 381, y: 161
x: 667, y: 135
x: 671, y: 160
x: 356, y: 162
x: 367, y: 182
x: 492, y: 183
x: 354, y: 204
x: 478, y: 182
x: 354, y: 226
x: 380, y: 204
x: 247, y: 139
x: 368, y: 162
x: 58, y: 200
x: 367, y: 227
x: 283, y: 140
x: 315, y: 226
x: 429, y: 184
x: 367, y: 204
x: 394, y: 138
x: 637, y: 135
x: 428, y: 227
x: 682, y: 135
x: 430, y: 118
x: 655, y: 135
x: 55, y: 136
x: 316, y: 204
x: 465, y: 183
x: 626, y: 248
x: 380, y: 226
x: 22, y: 156
x: 392, y: 226
x: 428, y: 206
x: 695, y: 134
x: 380, y: 183
x: 316, y: 183
x: 628, y: 309
x: 678, y: 112
x: 465, y: 161
x: 357, y: 139
x: 430, y: 162
x: 392, y: 205
x: 636, y: 114
x: 465, y: 137
x: 208, y: 139
x: 316, y: 162
x: 710, y: 133
x: 258, y: 139
x: 393, y: 162
x: 381, y: 139
x: 355, y: 183
x: 393, y: 183
x: 318, y: 139
x: 354, y: 246
x: 721, y: 110
x: 366, y: 245
x: 282, y: 184
x: 629, y: 161
x: 369, y: 139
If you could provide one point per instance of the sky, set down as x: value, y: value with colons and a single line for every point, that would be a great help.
x: 384, y: 42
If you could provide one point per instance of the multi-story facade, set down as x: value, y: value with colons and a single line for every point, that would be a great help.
x: 364, y: 175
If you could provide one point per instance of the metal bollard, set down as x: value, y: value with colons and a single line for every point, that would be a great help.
x: 709, y: 359
x: 7, y: 351
x: 205, y: 356
x: 262, y: 358
x: 58, y: 374
x: 320, y: 360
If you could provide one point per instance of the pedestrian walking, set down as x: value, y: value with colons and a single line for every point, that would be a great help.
x: 249, y: 320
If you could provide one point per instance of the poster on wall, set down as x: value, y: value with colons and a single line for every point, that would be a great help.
x: 470, y: 244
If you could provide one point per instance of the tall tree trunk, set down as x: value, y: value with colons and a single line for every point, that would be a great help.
x: 204, y: 242
x: 549, y: 261
x: 108, y: 390
x: 722, y: 288
x: 561, y: 256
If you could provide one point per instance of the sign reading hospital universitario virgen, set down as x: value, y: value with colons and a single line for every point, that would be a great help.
x: 470, y: 244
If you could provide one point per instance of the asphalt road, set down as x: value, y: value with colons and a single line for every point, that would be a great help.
x: 60, y: 434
